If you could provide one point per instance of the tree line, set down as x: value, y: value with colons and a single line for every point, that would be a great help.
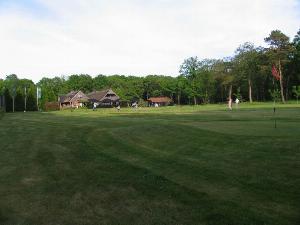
x: 246, y: 75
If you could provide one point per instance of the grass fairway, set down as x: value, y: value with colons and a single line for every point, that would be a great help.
x: 174, y: 165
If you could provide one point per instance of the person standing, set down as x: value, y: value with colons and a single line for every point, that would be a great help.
x: 237, y: 101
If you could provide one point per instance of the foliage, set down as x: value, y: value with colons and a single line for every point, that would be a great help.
x: 238, y: 94
x: 296, y: 92
x: 247, y: 74
x: 280, y: 53
x: 13, y: 90
x: 275, y: 94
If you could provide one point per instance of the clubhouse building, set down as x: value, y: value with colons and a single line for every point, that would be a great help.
x: 76, y: 99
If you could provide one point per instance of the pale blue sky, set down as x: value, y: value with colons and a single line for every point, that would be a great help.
x: 61, y: 37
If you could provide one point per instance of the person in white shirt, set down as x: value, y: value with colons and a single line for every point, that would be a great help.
x: 237, y: 101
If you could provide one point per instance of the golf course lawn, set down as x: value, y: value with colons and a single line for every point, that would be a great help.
x: 172, y: 165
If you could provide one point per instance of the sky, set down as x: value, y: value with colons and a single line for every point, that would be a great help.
x: 47, y: 38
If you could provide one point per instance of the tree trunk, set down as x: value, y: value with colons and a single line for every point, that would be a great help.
x: 229, y: 97
x: 3, y: 102
x: 195, y: 100
x: 287, y: 89
x: 178, y: 98
x: 13, y: 104
x: 281, y: 83
x: 230, y: 92
x: 250, y: 90
x: 222, y: 97
x: 264, y: 91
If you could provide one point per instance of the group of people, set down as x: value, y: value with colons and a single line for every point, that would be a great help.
x: 135, y: 105
x: 118, y: 107
x: 95, y: 106
x: 237, y: 101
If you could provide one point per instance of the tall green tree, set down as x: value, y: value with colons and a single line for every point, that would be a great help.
x: 247, y: 65
x: 83, y: 82
x: 181, y: 84
x: 293, y: 68
x: 11, y: 83
x: 190, y: 69
x: 28, y: 96
x: 205, y: 80
x: 224, y: 75
x: 52, y: 88
x: 279, y: 51
x: 100, y: 82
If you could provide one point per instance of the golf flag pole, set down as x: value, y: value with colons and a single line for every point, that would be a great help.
x: 25, y: 99
x: 274, y: 106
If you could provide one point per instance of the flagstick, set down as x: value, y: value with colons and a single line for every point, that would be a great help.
x: 25, y: 99
x: 275, y: 125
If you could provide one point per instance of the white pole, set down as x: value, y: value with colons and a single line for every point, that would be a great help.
x: 25, y: 99
x: 37, y: 98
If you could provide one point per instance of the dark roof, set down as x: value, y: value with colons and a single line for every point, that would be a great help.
x: 68, y: 97
x: 159, y: 99
x: 97, y: 96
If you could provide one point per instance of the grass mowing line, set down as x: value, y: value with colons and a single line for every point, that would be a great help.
x: 139, y: 164
x: 134, y: 158
x: 212, y: 197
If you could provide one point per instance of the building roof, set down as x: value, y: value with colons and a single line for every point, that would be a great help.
x: 68, y: 97
x: 97, y: 96
x: 160, y: 99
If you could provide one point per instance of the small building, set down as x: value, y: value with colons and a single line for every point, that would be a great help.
x: 104, y: 98
x: 159, y: 101
x: 74, y: 99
